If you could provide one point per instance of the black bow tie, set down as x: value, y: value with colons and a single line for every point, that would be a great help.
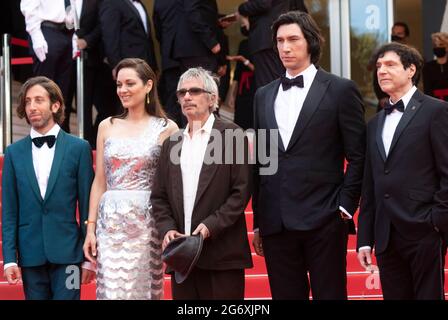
x: 288, y: 83
x: 388, y: 108
x: 39, y: 141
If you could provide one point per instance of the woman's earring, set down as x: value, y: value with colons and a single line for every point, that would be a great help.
x: 147, y: 98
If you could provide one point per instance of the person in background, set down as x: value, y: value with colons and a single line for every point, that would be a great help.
x: 50, y: 26
x: 262, y: 14
x: 244, y: 75
x: 126, y: 32
x: 435, y: 72
x: 400, y: 32
x: 165, y: 17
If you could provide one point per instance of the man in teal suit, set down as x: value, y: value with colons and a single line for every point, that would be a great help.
x: 45, y: 176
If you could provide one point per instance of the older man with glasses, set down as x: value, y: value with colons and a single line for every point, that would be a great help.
x: 200, y: 193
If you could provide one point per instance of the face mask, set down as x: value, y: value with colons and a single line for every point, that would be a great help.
x: 397, y: 38
x: 439, y: 52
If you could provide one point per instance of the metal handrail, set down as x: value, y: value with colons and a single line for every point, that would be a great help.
x: 6, y: 101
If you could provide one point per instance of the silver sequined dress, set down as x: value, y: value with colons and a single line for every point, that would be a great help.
x: 129, y: 264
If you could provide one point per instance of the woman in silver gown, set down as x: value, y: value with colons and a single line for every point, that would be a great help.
x: 121, y: 235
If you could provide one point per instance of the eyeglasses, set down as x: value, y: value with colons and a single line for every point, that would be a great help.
x: 192, y: 91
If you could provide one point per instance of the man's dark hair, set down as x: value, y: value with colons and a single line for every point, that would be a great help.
x: 309, y: 29
x: 54, y: 93
x: 404, y: 25
x: 408, y: 56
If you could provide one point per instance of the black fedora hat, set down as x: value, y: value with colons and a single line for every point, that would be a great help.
x: 181, y: 254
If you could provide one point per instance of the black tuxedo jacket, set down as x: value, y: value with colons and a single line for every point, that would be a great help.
x: 197, y: 28
x: 409, y: 188
x: 310, y: 183
x: 165, y: 18
x: 90, y: 31
x: 124, y: 35
x: 262, y: 13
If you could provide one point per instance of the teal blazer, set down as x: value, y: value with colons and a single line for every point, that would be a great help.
x: 35, y: 230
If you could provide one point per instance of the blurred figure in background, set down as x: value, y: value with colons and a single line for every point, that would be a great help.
x: 244, y: 75
x: 49, y: 24
x: 435, y: 72
x: 165, y: 17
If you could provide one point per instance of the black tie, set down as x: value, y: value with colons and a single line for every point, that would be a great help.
x: 66, y: 3
x: 39, y: 141
x: 288, y: 83
x: 388, y: 108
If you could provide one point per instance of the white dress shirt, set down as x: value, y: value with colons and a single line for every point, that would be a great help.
x: 288, y: 104
x: 390, y: 125
x: 142, y: 13
x: 392, y: 120
x: 191, y: 160
x: 43, y: 158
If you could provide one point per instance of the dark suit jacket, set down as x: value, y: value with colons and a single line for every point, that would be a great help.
x: 310, y: 184
x: 90, y: 30
x: 124, y: 35
x: 262, y: 13
x: 197, y: 28
x: 36, y: 230
x: 166, y: 19
x: 409, y: 187
x: 223, y: 193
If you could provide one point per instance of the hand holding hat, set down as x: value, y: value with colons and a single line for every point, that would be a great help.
x: 181, y: 254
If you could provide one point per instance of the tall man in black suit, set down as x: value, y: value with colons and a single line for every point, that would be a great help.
x: 404, y: 207
x: 196, y: 42
x: 165, y: 18
x: 261, y: 14
x: 303, y: 210
x: 126, y: 31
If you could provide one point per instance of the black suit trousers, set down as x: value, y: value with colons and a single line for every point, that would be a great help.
x: 210, y: 285
x: 290, y: 255
x: 413, y: 269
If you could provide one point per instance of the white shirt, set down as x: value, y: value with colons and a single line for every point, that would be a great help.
x: 392, y: 119
x: 43, y: 158
x: 390, y: 125
x: 289, y: 103
x: 36, y: 11
x: 142, y: 13
x: 191, y: 160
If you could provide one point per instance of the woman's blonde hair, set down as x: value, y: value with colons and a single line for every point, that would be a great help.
x: 440, y: 39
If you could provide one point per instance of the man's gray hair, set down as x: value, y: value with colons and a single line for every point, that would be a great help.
x: 209, y: 81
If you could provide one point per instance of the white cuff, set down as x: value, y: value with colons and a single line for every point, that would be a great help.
x: 38, y: 39
x: 88, y: 266
x: 365, y: 248
x: 345, y: 212
x: 11, y: 264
